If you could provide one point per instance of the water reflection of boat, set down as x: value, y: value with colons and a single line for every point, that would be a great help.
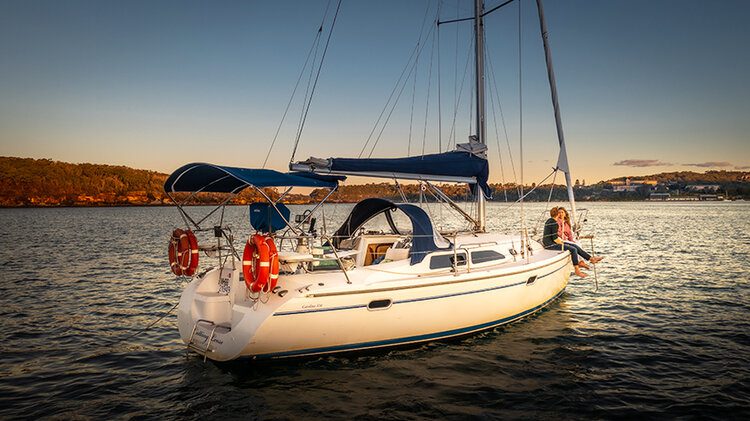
x: 296, y: 291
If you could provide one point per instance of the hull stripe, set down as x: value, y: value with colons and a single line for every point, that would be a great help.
x: 320, y: 310
x: 414, y: 300
x: 409, y: 339
x: 437, y: 297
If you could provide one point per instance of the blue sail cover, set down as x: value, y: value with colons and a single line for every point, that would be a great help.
x: 219, y: 179
x: 454, y: 163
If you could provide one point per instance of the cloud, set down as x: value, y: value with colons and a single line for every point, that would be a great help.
x: 710, y: 164
x: 642, y: 163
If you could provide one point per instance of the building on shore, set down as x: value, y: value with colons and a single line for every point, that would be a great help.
x: 711, y: 197
x: 633, y: 185
x: 702, y: 187
x: 659, y: 196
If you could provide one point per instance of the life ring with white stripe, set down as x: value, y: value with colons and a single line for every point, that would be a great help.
x: 260, y: 263
x: 183, y: 252
x: 194, y: 254
x: 274, y: 275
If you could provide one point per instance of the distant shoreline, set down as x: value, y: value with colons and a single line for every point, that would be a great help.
x: 165, y: 205
x: 43, y: 183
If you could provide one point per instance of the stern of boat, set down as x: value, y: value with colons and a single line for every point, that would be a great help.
x: 215, y: 317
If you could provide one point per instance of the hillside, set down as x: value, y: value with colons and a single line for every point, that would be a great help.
x: 690, y: 177
x: 43, y: 182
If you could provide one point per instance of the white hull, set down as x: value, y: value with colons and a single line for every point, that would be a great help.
x: 393, y: 289
x: 321, y: 313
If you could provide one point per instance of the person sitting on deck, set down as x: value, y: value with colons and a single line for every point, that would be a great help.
x: 552, y: 241
x: 565, y: 232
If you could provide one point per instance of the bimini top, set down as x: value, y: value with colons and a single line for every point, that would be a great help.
x: 363, y: 212
x: 202, y: 177
x: 424, y: 238
x: 456, y: 166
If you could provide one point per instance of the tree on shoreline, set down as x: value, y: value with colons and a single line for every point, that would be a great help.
x: 43, y: 182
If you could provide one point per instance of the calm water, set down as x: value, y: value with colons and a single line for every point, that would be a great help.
x: 668, y: 332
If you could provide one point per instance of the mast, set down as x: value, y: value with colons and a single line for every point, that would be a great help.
x: 562, y: 160
x: 481, y: 126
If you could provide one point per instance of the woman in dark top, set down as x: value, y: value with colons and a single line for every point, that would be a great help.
x: 552, y: 241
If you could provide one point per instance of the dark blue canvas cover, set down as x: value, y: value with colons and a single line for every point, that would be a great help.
x: 361, y: 213
x: 423, y: 235
x: 264, y: 218
x: 220, y: 179
x: 454, y: 163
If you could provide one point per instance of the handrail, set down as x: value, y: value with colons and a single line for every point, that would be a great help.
x: 341, y: 264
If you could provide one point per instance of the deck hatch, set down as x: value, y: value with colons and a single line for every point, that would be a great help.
x: 443, y: 261
x: 484, y: 256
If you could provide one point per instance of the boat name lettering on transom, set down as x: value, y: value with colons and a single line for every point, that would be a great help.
x: 204, y: 336
x: 312, y: 306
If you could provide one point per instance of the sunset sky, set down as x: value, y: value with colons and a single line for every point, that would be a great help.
x: 645, y: 85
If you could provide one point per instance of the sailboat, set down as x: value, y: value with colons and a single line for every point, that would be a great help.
x: 293, y: 291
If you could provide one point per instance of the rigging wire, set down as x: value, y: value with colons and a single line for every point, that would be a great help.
x: 307, y: 90
x: 411, y: 113
x: 455, y: 78
x: 388, y: 101
x: 390, y: 113
x: 452, y: 136
x: 455, y: 75
x: 398, y: 97
x: 520, y: 199
x: 552, y: 188
x: 520, y: 115
x: 497, y: 140
x: 415, y: 51
x: 493, y: 82
x: 315, y: 84
x: 549, y: 199
x: 400, y: 191
x: 314, y: 46
x: 440, y: 113
x: 429, y: 86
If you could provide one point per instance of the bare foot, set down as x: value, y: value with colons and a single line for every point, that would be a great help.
x: 583, y: 265
x: 596, y: 259
x: 579, y: 272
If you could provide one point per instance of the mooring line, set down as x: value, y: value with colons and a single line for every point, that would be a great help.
x: 103, y: 349
x: 150, y: 325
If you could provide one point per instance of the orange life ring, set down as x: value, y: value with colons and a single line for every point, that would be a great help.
x: 183, y: 252
x: 172, y: 252
x: 194, y: 254
x: 274, y: 275
x: 260, y: 263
